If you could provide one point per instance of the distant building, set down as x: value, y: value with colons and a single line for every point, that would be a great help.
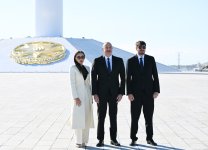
x: 201, y: 68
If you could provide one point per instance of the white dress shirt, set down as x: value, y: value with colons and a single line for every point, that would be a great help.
x: 141, y: 56
x: 106, y: 61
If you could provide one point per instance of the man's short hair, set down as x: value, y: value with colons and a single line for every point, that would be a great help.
x: 107, y: 43
x: 140, y: 43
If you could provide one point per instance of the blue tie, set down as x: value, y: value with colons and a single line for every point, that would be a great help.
x: 141, y: 63
x: 109, y: 67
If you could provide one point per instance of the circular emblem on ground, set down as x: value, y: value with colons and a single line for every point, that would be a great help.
x: 41, y: 52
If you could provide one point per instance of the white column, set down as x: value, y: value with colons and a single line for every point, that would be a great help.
x: 49, y: 17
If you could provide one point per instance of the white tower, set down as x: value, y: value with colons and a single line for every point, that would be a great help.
x: 49, y: 17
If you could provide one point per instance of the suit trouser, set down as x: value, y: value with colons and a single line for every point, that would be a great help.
x: 147, y: 102
x: 102, y: 108
x: 82, y: 136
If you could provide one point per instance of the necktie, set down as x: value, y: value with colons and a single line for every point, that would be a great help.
x: 109, y: 67
x: 141, y: 63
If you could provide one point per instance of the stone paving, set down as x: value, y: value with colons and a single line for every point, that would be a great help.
x: 35, y: 112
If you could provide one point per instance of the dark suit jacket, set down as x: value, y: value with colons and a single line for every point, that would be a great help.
x: 104, y: 82
x: 139, y: 79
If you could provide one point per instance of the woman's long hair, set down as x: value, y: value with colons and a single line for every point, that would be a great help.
x: 80, y: 67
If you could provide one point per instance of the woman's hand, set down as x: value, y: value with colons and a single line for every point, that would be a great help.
x: 77, y: 101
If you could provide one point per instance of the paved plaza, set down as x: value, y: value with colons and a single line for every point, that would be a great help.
x: 35, y: 112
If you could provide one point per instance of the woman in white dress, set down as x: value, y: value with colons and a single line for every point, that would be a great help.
x: 82, y: 112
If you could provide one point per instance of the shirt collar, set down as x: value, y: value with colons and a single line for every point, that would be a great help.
x: 108, y: 57
x: 140, y: 56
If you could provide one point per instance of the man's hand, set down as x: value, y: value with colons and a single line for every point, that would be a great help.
x: 96, y: 98
x: 119, y: 97
x: 131, y: 97
x: 155, y: 95
x: 77, y: 101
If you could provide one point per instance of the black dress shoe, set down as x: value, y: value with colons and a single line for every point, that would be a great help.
x: 100, y: 143
x: 133, y: 143
x: 115, y: 143
x: 151, y: 142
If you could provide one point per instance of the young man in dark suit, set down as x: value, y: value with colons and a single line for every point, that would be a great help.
x: 107, y: 89
x: 142, y: 88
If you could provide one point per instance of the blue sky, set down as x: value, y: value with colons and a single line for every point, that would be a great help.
x: 169, y: 27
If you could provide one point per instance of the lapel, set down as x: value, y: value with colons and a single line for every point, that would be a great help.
x: 138, y: 65
x: 79, y: 74
x: 137, y: 62
x: 113, y: 63
x: 104, y: 63
x: 145, y: 61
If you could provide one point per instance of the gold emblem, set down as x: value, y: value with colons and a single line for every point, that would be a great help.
x: 38, y: 53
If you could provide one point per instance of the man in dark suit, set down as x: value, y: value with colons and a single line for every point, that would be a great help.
x: 107, y: 89
x: 142, y: 88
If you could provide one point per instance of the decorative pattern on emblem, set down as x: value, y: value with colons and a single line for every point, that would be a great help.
x: 41, y: 52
